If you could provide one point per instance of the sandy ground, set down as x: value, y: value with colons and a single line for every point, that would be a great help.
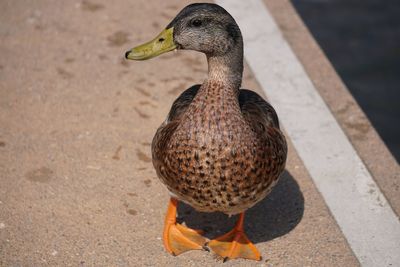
x: 77, y: 187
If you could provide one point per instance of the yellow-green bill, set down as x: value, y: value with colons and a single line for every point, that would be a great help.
x: 164, y: 42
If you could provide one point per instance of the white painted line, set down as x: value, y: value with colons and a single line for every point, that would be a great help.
x: 360, y: 209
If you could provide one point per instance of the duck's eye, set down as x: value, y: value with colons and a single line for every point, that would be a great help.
x: 196, y: 22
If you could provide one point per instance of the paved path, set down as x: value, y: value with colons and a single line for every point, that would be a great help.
x: 77, y: 185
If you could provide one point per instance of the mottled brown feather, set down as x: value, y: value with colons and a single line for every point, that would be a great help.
x: 219, y: 150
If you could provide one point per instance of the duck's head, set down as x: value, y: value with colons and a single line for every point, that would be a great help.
x: 206, y: 28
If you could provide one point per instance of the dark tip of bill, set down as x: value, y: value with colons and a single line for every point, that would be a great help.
x: 127, y: 54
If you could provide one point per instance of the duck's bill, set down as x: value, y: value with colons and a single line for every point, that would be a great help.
x: 163, y: 43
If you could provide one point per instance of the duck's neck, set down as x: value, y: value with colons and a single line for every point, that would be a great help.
x: 220, y: 91
x: 215, y: 107
x: 226, y: 69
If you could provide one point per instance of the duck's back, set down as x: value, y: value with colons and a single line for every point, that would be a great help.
x: 219, y: 156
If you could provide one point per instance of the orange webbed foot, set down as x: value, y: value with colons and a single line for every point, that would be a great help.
x: 178, y: 238
x: 235, y: 244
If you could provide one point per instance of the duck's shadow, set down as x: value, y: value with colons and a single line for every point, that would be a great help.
x: 274, y: 216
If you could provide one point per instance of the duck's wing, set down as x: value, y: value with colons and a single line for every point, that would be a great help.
x: 181, y: 103
x: 262, y: 118
x: 256, y: 110
x: 168, y: 127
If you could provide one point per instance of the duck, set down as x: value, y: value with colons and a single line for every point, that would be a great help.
x: 220, y: 148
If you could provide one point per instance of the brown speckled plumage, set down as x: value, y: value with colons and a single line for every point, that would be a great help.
x: 220, y: 148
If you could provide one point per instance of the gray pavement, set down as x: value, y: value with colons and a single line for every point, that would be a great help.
x: 369, y: 146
